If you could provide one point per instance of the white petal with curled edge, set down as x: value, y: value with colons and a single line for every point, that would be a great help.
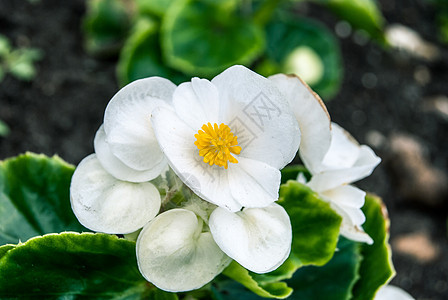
x: 104, y: 204
x: 355, y: 215
x: 347, y: 200
x: 175, y: 255
x: 253, y: 103
x: 349, y: 229
x: 253, y: 183
x: 346, y: 195
x: 355, y: 233
x: 390, y: 292
x: 363, y: 167
x: 344, y: 149
x: 127, y: 122
x: 116, y: 167
x: 176, y: 140
x: 259, y: 239
x: 312, y: 116
x: 197, y: 103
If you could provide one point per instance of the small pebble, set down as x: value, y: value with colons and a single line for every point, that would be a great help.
x: 422, y: 75
x: 417, y: 245
x: 358, y: 117
x: 417, y: 178
x: 437, y: 104
x: 408, y: 40
x: 361, y: 37
x: 375, y: 139
x: 369, y: 80
x: 343, y: 29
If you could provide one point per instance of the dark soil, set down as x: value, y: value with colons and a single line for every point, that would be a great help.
x: 60, y: 111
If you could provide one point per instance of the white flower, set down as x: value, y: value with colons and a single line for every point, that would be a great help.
x: 126, y: 145
x: 390, y: 292
x: 177, y: 251
x: 176, y: 255
x: 228, y: 138
x: 110, y: 191
x: 345, y: 162
x: 312, y: 116
x: 332, y: 156
x: 105, y: 204
x: 259, y: 239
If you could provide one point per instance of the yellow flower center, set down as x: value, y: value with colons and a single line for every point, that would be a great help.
x: 216, y: 144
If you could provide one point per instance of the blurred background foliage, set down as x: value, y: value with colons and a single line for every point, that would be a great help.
x: 442, y: 19
x: 178, y: 39
x: 19, y: 62
x: 394, y: 96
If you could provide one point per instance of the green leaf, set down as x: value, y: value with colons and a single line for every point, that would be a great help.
x: 29, y: 54
x: 361, y: 14
x: 315, y: 226
x: 285, y: 271
x: 203, y: 37
x: 228, y: 289
x: 292, y: 171
x: 23, y: 70
x: 376, y: 267
x: 105, y: 26
x: 333, y: 281
x: 73, y: 265
x: 153, y: 7
x: 277, y: 290
x: 442, y: 21
x: 4, y: 128
x: 441, y: 8
x: 307, y: 48
x: 5, y: 248
x: 34, y: 197
x: 265, y: 285
x: 5, y: 46
x: 141, y: 56
x: 20, y: 62
x: 315, y: 229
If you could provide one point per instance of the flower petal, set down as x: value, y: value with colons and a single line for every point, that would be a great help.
x: 346, y: 195
x: 312, y: 116
x: 347, y: 200
x: 390, y: 292
x: 343, y: 151
x: 128, y: 126
x: 355, y: 233
x: 253, y: 183
x: 348, y: 228
x: 197, y: 103
x: 363, y: 167
x: 176, y: 140
x: 116, y: 167
x: 175, y: 255
x: 253, y: 103
x: 259, y: 239
x: 355, y: 215
x: 104, y: 204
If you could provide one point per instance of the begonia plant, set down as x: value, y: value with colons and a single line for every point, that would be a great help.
x: 192, y: 194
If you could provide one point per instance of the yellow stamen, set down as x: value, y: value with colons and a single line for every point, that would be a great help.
x: 217, y: 144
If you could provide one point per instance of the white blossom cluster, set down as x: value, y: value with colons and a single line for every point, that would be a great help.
x: 226, y: 140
